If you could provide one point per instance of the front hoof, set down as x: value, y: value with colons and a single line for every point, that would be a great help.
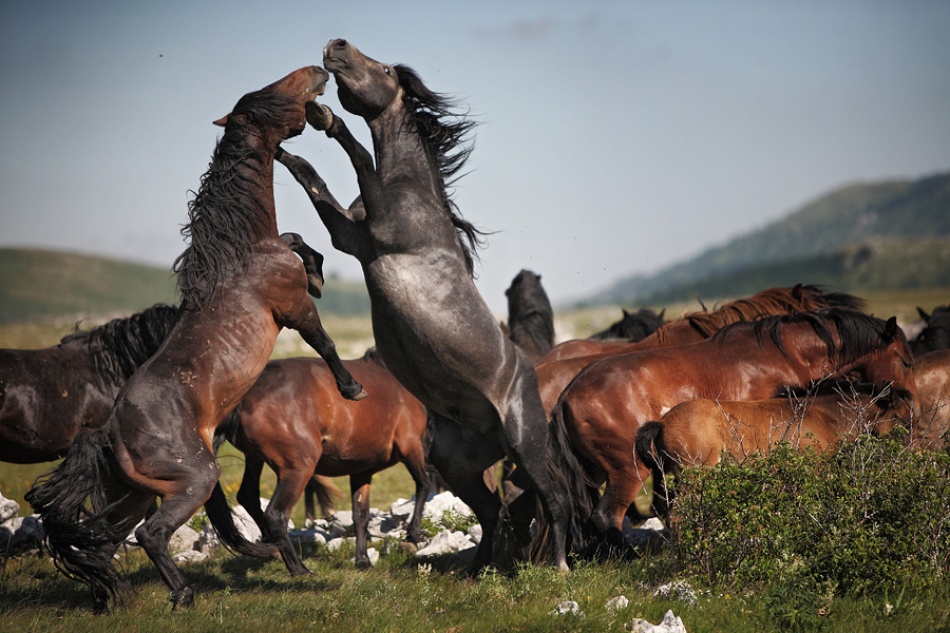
x: 354, y: 392
x: 184, y: 599
x: 319, y: 116
x: 314, y: 286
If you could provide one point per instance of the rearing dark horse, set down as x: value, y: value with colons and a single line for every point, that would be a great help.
x: 432, y: 327
x: 239, y: 283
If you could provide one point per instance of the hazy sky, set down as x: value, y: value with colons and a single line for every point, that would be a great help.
x: 614, y: 137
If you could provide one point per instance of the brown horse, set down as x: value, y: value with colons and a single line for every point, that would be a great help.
x: 240, y: 284
x: 932, y: 374
x: 294, y: 420
x: 560, y: 366
x: 605, y: 406
x: 700, y: 432
x: 48, y: 395
x: 696, y: 326
x: 432, y: 327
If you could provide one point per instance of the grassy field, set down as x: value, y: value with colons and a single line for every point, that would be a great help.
x: 238, y: 594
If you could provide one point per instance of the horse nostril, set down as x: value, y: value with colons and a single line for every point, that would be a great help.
x: 340, y: 43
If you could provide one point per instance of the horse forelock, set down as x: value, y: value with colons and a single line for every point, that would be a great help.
x: 445, y: 135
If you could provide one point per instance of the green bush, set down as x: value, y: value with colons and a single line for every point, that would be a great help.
x: 871, y: 518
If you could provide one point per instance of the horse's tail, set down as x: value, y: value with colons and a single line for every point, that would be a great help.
x: 217, y: 508
x: 71, y: 502
x: 326, y: 493
x: 650, y: 449
x: 571, y: 476
x: 222, y: 520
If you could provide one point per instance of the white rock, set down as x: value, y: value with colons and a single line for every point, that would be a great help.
x: 8, y: 509
x: 446, y: 542
x: 568, y: 607
x: 617, y: 603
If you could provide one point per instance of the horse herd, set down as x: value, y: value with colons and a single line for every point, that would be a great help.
x: 139, y: 405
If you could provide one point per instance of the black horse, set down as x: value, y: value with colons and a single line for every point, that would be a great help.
x: 633, y: 326
x: 530, y: 315
x: 48, y: 395
x: 936, y: 332
x: 432, y: 327
x: 240, y: 284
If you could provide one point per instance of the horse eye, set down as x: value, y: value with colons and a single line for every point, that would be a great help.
x: 387, y: 70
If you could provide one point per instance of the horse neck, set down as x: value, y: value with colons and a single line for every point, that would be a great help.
x: 400, y: 152
x: 259, y: 168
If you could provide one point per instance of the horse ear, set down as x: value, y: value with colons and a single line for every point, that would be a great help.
x: 923, y: 314
x: 890, y: 329
x: 797, y: 291
x: 223, y: 121
x: 662, y: 313
x: 625, y: 313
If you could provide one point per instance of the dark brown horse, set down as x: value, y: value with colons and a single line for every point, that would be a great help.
x: 239, y: 284
x: 632, y: 326
x: 48, y: 395
x: 530, y: 315
x: 700, y: 432
x: 607, y: 403
x: 936, y: 332
x: 932, y: 375
x: 432, y: 327
x: 294, y: 420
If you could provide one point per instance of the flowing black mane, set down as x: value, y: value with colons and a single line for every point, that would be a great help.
x: 444, y: 132
x: 119, y: 347
x: 858, y: 333
x: 228, y: 212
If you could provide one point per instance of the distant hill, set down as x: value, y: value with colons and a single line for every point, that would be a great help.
x: 884, y: 235
x: 54, y: 286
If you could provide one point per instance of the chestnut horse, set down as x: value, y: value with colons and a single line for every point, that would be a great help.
x: 240, y: 284
x: 932, y: 375
x: 700, y: 432
x: 432, y: 327
x: 48, y: 395
x: 696, y: 326
x: 560, y: 366
x: 294, y: 420
x: 605, y: 406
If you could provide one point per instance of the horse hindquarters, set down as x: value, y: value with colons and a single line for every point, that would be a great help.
x: 650, y: 450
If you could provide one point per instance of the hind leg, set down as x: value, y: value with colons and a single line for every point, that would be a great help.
x: 185, y: 486
x: 461, y: 459
x: 418, y: 470
x: 526, y: 430
x: 359, y: 492
x: 621, y: 491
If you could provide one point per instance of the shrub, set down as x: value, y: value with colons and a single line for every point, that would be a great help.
x: 870, y: 518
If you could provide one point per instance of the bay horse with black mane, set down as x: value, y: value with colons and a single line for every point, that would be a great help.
x: 239, y: 283
x: 294, y: 420
x: 606, y: 404
x: 47, y: 396
x: 433, y: 329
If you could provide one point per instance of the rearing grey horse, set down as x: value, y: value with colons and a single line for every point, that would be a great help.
x: 432, y: 327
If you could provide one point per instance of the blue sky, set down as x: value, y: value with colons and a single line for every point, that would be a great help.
x: 614, y: 137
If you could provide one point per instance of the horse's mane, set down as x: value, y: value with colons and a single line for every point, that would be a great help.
x: 530, y: 314
x: 118, y: 348
x: 228, y: 213
x: 444, y: 133
x: 858, y: 333
x: 768, y: 302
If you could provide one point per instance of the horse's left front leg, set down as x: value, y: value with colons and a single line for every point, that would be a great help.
x: 306, y: 320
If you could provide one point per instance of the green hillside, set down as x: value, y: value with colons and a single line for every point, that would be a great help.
x: 895, y: 229
x: 53, y: 286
